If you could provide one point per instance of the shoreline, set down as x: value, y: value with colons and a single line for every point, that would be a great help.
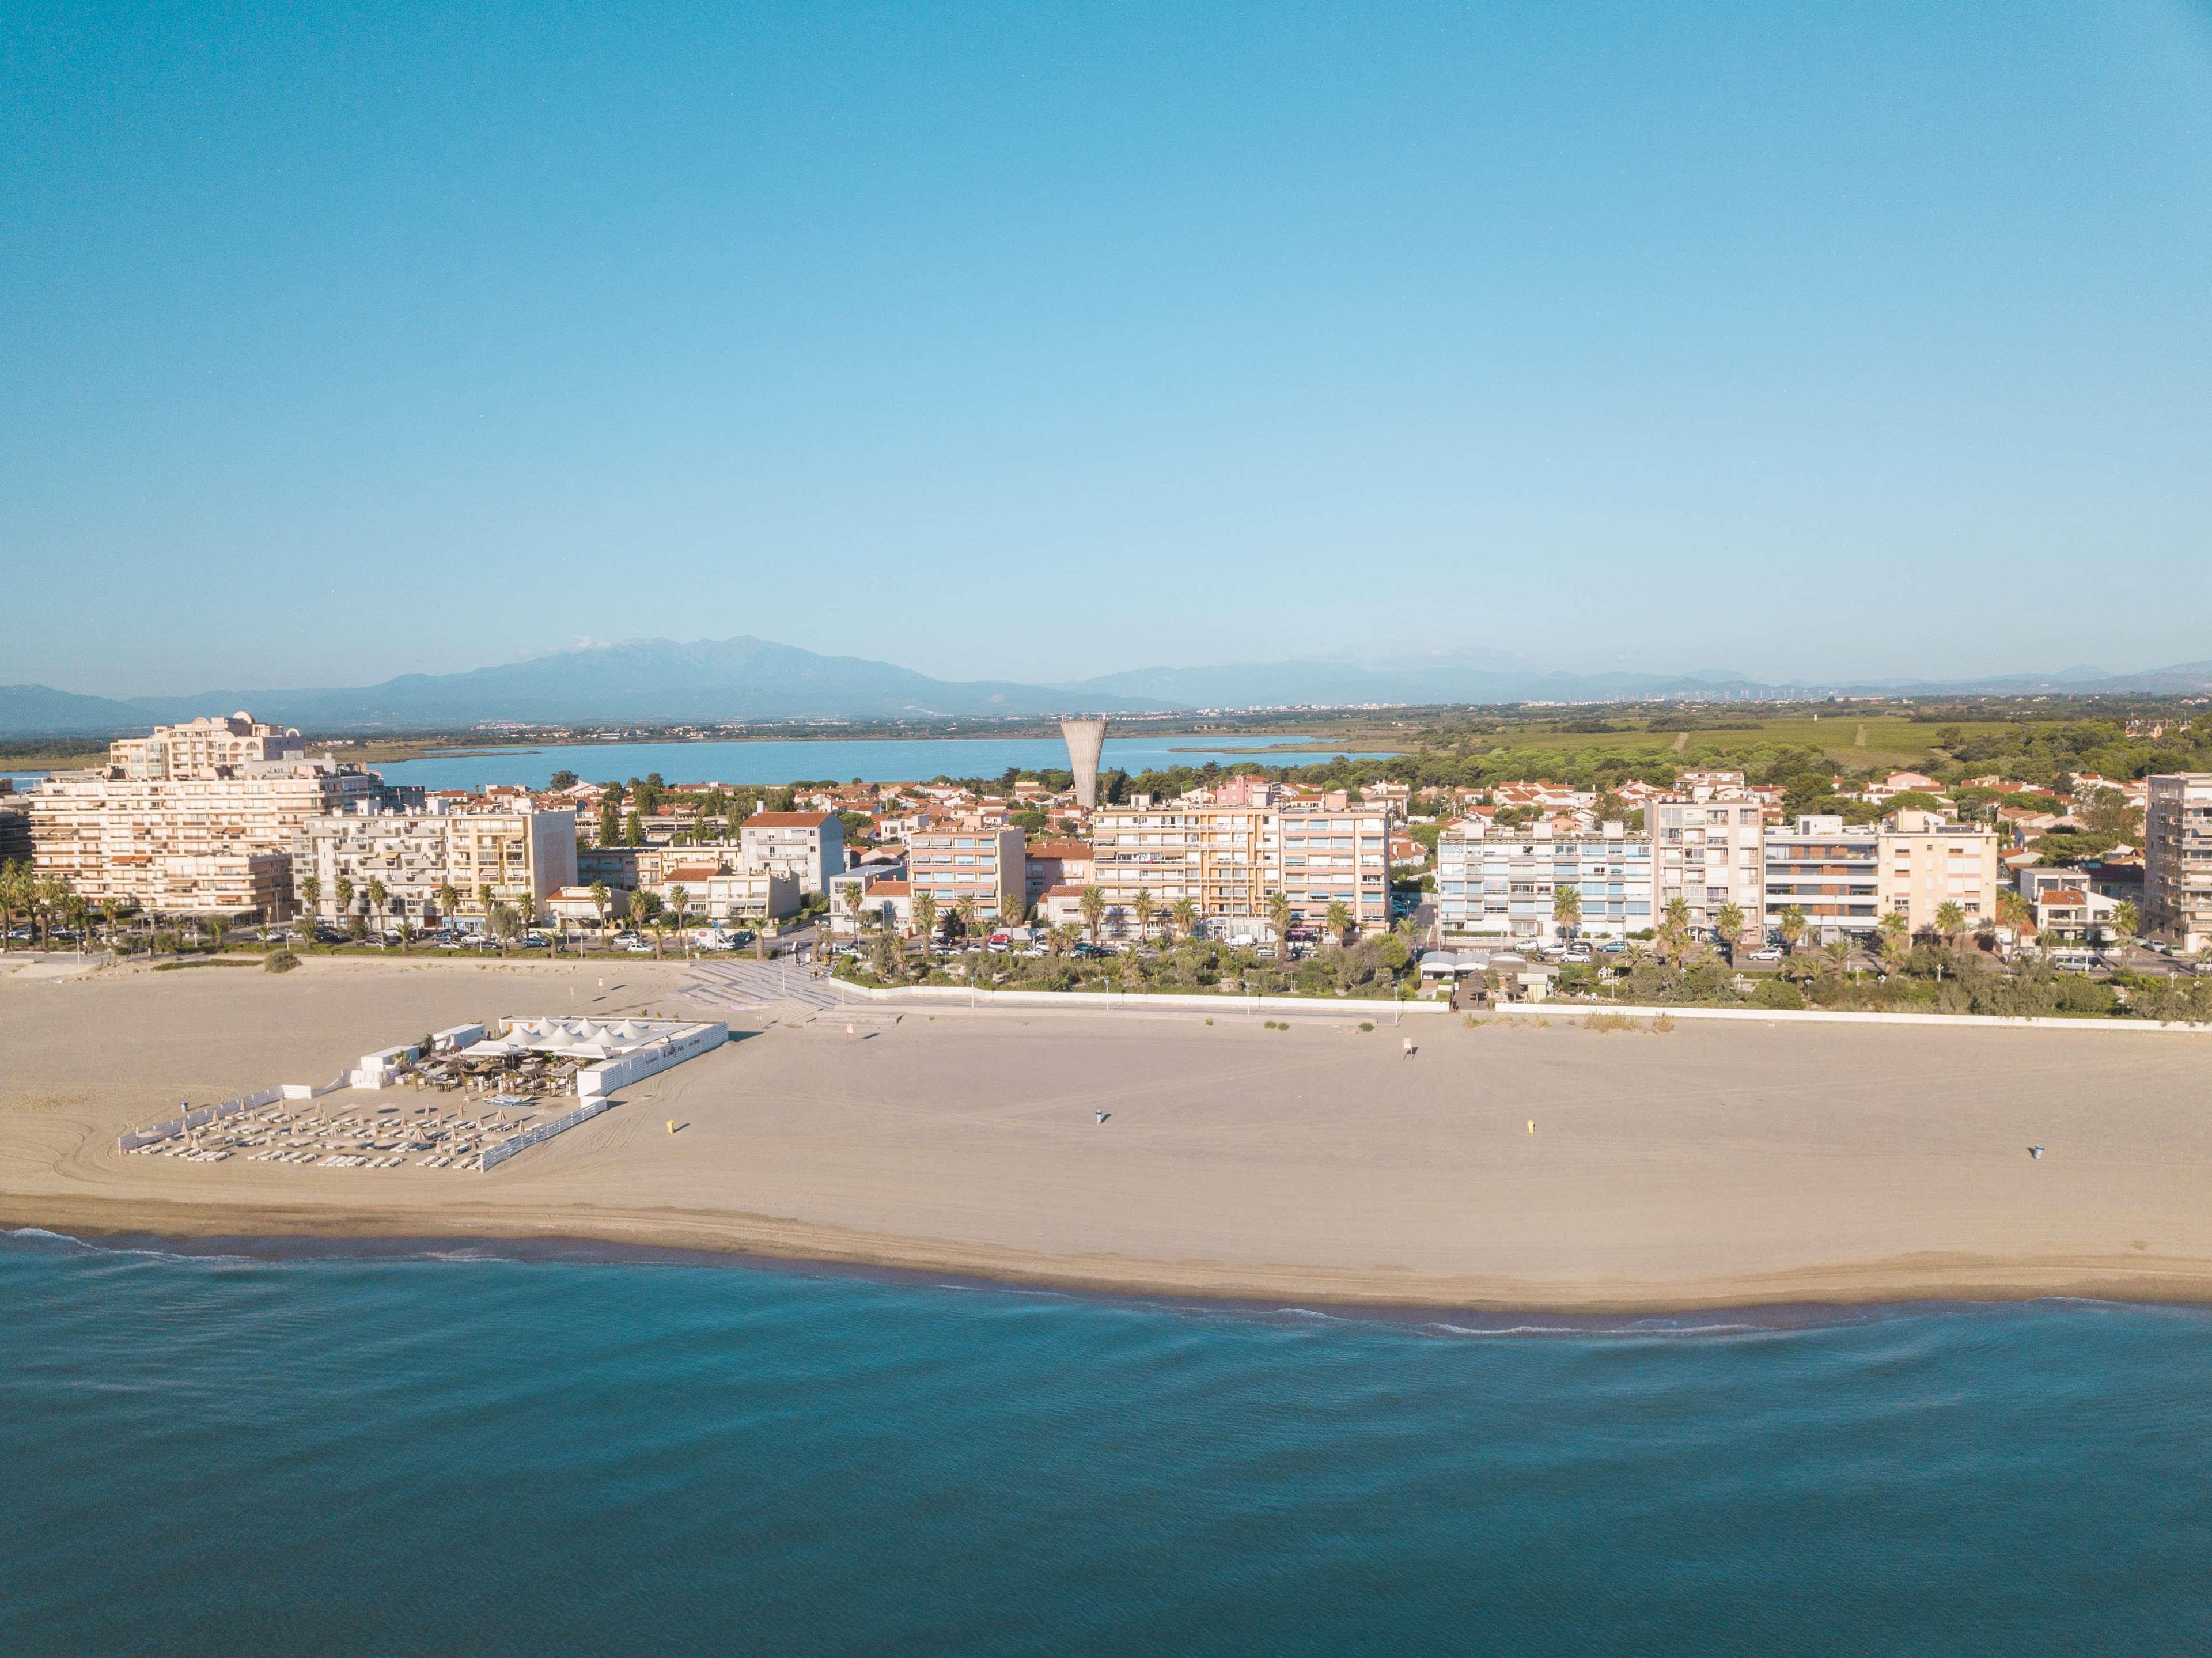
x: 1925, y: 1277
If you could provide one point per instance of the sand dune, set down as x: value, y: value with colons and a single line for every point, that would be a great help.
x: 1709, y: 1166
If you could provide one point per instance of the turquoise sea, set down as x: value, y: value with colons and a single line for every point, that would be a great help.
x: 445, y: 1452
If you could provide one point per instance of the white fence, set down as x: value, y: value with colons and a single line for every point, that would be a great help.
x: 544, y: 1130
x: 1134, y: 1001
x: 200, y: 1119
x: 597, y: 1081
x: 1837, y: 1016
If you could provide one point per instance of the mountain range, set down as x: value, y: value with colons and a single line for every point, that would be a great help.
x: 656, y: 681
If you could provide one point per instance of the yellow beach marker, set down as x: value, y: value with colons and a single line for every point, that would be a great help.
x: 1532, y: 1125
x: 671, y: 1124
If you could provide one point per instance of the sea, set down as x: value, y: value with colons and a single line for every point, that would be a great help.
x: 422, y: 1449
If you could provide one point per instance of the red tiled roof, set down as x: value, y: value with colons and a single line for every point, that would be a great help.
x: 789, y: 819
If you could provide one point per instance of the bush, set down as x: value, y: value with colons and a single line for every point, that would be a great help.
x: 280, y: 960
x: 1780, y: 995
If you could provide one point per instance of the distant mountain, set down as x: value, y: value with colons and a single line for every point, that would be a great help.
x: 656, y: 681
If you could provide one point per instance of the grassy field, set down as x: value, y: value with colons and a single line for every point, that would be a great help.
x: 1873, y: 740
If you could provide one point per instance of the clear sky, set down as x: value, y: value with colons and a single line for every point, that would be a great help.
x: 1038, y: 340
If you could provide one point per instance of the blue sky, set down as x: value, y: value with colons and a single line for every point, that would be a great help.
x: 1040, y: 341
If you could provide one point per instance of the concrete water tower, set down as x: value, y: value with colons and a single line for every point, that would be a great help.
x: 1085, y: 739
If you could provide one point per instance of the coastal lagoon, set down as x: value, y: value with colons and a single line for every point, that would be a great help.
x: 439, y: 1450
x: 887, y: 761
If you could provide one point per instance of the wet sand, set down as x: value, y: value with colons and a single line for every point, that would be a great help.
x: 1716, y: 1165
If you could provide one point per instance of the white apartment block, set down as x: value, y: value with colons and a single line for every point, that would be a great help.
x: 1503, y: 883
x: 1708, y: 850
x: 203, y: 747
x: 809, y: 846
x: 969, y: 859
x: 753, y: 893
x: 2177, y: 859
x: 522, y: 857
x: 1928, y: 861
x: 1332, y: 856
x: 192, y: 845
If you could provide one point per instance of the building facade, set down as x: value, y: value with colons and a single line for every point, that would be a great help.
x: 969, y: 858
x: 1503, y: 883
x: 521, y: 857
x: 1709, y: 850
x: 1230, y: 861
x: 808, y: 846
x: 2177, y: 900
x: 1830, y: 872
x: 1928, y: 861
x: 203, y: 747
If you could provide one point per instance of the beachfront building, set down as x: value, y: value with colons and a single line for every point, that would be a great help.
x: 1504, y: 884
x: 1331, y: 854
x: 751, y: 892
x: 1708, y: 850
x: 862, y: 880
x: 970, y: 858
x: 1218, y: 857
x: 213, y: 833
x: 2177, y: 901
x: 1829, y: 871
x: 1928, y: 861
x: 522, y: 855
x: 808, y: 846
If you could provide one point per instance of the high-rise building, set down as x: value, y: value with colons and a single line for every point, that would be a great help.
x: 1231, y: 861
x: 1504, y: 884
x: 522, y: 856
x: 1830, y: 872
x: 1707, y: 847
x: 1928, y: 861
x: 807, y: 845
x: 2177, y: 859
x: 969, y: 859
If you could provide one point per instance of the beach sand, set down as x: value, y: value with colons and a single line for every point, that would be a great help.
x: 1714, y: 1165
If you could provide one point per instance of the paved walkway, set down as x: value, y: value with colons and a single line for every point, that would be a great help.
x: 759, y: 983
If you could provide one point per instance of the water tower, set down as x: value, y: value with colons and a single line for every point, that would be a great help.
x: 1085, y: 739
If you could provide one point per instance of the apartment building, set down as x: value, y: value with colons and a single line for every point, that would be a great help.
x: 195, y: 843
x: 969, y: 858
x: 1709, y: 850
x: 1222, y: 859
x: 522, y: 856
x: 1047, y: 864
x: 203, y: 747
x: 2177, y: 901
x: 1829, y: 871
x: 1503, y: 883
x: 755, y: 893
x: 808, y: 846
x: 1928, y: 861
x: 1336, y: 855
x: 863, y: 880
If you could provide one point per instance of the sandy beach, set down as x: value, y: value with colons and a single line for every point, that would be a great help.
x: 1709, y: 1166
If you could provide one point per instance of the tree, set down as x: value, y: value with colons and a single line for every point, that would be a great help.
x: 1184, y: 913
x: 964, y: 908
x: 563, y: 779
x: 2127, y: 920
x: 1567, y: 909
x: 376, y: 894
x: 408, y: 933
x: 1279, y: 915
x: 484, y: 897
x: 1792, y: 925
x: 1061, y: 939
x: 1950, y: 920
x: 2012, y: 908
x: 1895, y: 942
x: 311, y: 894
x: 1729, y: 919
x: 1091, y: 905
x: 856, y: 905
x: 1146, y: 907
x: 506, y: 925
x: 1839, y: 952
x: 602, y: 899
x: 344, y: 894
x: 924, y: 917
x: 634, y: 831
x: 1674, y: 929
x: 611, y: 799
x: 678, y: 902
x: 449, y: 900
x: 1340, y: 921
x: 2108, y: 812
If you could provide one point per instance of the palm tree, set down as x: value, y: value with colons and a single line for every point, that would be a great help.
x: 1792, y: 925
x: 1278, y: 913
x: 311, y: 894
x: 1145, y: 909
x: 1061, y: 939
x: 485, y: 899
x: 408, y: 933
x: 449, y: 900
x: 376, y: 894
x: 2127, y: 920
x: 1894, y: 939
x: 924, y: 917
x: 15, y: 897
x: 1091, y: 904
x: 1184, y: 912
x: 344, y: 896
x: 964, y: 908
x: 1729, y: 921
x: 1567, y: 909
x: 602, y: 899
x: 679, y: 900
x: 1950, y: 920
x: 1340, y: 921
x: 1674, y: 929
x: 856, y: 905
x: 1839, y: 952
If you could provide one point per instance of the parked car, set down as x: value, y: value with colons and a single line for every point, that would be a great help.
x: 1767, y: 953
x: 638, y: 947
